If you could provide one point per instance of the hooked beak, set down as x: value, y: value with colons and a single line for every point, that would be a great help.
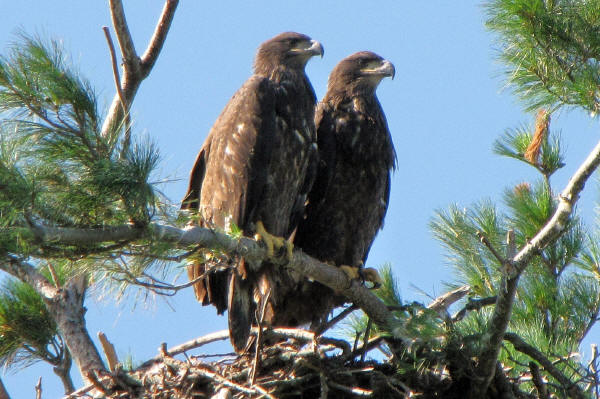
x: 316, y: 48
x: 387, y: 69
x: 313, y: 48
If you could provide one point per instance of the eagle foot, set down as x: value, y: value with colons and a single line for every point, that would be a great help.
x: 363, y: 274
x: 274, y: 244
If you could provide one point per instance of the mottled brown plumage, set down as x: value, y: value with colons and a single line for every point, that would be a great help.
x: 251, y: 168
x: 349, y: 198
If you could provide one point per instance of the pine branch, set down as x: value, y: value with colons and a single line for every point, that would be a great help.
x: 328, y: 275
x: 551, y: 232
x: 135, y: 69
x: 522, y: 346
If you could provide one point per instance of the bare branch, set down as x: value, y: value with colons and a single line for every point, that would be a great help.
x: 158, y: 37
x: 109, y: 351
x: 523, y: 347
x: 126, y: 45
x: 443, y: 302
x: 38, y: 389
x: 124, y: 104
x: 135, y: 70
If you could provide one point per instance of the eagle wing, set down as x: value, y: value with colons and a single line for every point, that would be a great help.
x: 226, y: 184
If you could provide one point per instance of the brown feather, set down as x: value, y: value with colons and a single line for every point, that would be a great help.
x: 251, y: 168
x: 349, y: 199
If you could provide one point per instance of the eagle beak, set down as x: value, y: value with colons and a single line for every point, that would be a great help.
x: 316, y: 48
x: 387, y: 69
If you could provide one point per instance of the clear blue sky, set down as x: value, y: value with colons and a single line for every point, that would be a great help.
x: 444, y: 108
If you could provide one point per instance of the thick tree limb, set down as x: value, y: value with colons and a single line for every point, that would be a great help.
x: 555, y: 227
x: 135, y: 69
x: 522, y: 346
x: 328, y: 275
x: 66, y: 307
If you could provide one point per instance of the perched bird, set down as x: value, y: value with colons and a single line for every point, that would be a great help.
x: 251, y: 172
x: 349, y: 198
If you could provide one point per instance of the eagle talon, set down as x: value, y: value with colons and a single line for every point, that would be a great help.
x: 363, y: 274
x: 371, y: 275
x: 274, y: 244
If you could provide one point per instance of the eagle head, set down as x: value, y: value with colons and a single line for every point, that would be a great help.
x: 360, y: 73
x: 289, y: 50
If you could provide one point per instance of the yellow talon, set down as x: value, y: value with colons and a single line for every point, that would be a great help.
x: 272, y: 242
x: 262, y: 235
x: 351, y: 271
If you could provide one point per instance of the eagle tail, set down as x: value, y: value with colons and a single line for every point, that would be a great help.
x: 240, y: 311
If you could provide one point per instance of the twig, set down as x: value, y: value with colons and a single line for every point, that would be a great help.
x: 38, y: 389
x: 54, y: 275
x: 366, y: 347
x: 342, y: 315
x: 484, y: 240
x: 91, y: 376
x: 124, y: 104
x: 366, y: 340
x: 473, y: 304
x: 594, y: 369
x: 324, y: 386
x: 367, y: 393
x: 195, y: 343
x: 523, y: 347
x: 259, y: 338
x: 109, y: 351
x: 538, y: 381
x: 224, y: 381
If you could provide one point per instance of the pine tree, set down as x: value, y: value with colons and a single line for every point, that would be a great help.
x: 76, y: 193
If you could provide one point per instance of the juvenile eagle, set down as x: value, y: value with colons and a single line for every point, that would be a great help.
x: 349, y: 198
x: 250, y: 172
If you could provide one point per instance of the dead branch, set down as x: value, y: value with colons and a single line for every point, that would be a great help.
x: 443, y: 302
x: 109, y: 351
x: 124, y: 104
x: 38, y: 389
x: 135, y: 69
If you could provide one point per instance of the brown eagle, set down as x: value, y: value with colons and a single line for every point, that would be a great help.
x: 349, y: 198
x: 250, y: 172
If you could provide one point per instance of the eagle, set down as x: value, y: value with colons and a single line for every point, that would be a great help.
x: 251, y: 174
x: 348, y: 201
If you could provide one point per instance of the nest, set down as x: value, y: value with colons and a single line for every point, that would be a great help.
x: 291, y: 364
